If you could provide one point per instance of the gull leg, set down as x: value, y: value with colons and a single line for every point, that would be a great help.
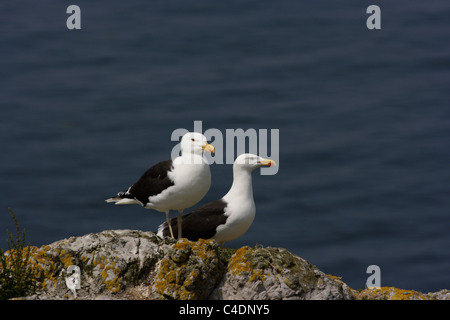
x: 180, y: 222
x: 168, y: 223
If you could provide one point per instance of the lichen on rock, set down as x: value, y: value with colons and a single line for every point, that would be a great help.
x: 109, y: 262
x: 392, y: 293
x: 189, y: 271
x: 274, y: 273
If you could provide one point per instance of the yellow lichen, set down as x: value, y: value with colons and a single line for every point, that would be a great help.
x: 109, y: 273
x: 186, y: 270
x: 400, y: 294
x: 42, y: 267
x: 334, y: 277
x: 257, y: 275
x: 182, y: 244
x: 66, y: 258
x: 390, y: 293
x: 238, y: 262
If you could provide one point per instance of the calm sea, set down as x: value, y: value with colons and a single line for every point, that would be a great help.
x: 363, y: 116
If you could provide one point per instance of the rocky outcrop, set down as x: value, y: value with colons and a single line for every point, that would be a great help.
x: 129, y: 264
x: 274, y: 273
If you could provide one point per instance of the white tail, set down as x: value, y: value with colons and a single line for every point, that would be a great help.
x: 118, y: 200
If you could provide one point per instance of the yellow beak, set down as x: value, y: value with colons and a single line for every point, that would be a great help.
x: 208, y: 147
x: 268, y: 162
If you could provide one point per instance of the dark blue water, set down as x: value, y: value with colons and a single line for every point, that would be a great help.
x: 364, y: 120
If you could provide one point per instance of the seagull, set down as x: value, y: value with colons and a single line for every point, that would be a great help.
x: 228, y: 218
x: 173, y: 184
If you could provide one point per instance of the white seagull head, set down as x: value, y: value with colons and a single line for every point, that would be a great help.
x: 250, y: 162
x: 195, y: 143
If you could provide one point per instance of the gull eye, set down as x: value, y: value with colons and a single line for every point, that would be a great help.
x: 192, y: 139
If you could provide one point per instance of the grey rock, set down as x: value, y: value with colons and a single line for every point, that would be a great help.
x: 131, y: 264
x: 441, y: 295
x: 109, y: 262
x: 273, y: 274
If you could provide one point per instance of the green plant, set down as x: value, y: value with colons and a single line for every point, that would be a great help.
x: 16, y: 277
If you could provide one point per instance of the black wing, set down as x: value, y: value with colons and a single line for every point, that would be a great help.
x: 152, y: 182
x: 200, y: 223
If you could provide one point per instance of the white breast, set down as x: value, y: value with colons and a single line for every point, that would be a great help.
x: 241, y: 213
x: 191, y: 183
